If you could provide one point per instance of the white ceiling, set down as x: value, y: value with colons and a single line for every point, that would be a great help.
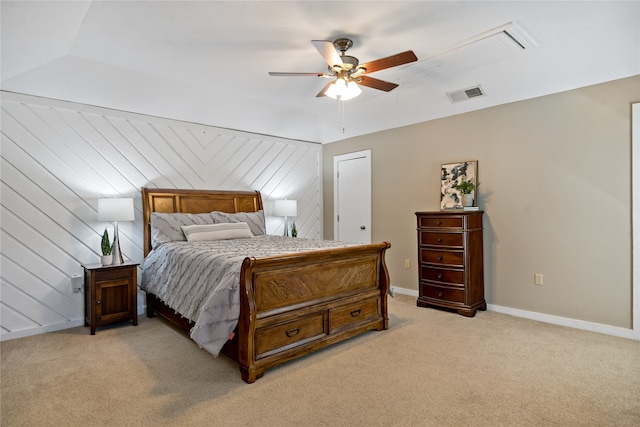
x: 207, y: 61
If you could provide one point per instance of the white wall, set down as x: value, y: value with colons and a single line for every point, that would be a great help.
x: 58, y: 158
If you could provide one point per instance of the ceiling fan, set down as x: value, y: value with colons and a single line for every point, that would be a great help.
x: 348, y: 72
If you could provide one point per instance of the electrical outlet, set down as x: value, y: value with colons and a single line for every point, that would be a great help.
x: 537, y: 279
x: 76, y: 283
x: 407, y: 263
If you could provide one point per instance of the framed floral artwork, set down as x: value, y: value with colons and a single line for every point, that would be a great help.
x: 452, y: 176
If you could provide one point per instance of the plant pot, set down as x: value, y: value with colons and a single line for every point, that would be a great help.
x: 106, y: 259
x: 467, y: 200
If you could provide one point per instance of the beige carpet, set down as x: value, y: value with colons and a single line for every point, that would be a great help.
x: 431, y: 368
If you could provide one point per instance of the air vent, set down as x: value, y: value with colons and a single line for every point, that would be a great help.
x: 464, y: 94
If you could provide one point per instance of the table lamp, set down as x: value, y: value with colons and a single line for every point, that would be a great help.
x: 114, y: 210
x: 285, y: 208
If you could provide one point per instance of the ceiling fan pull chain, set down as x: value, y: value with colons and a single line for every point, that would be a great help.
x: 341, y: 113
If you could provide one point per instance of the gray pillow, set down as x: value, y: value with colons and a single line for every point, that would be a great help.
x: 255, y: 220
x: 165, y: 227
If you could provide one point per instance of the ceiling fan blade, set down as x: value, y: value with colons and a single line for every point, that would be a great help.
x: 324, y: 89
x: 376, y: 83
x: 278, y: 74
x: 328, y: 52
x: 390, y: 61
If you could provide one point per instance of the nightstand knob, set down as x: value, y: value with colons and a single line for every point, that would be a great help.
x: 440, y: 294
x: 98, y: 302
x: 439, y: 239
x: 439, y: 223
x: 439, y: 258
x: 440, y: 276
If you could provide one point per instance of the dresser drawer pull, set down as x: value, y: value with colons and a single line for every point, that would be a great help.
x: 440, y: 276
x: 440, y: 294
x: 439, y: 223
x: 356, y: 313
x: 439, y: 258
x: 292, y: 332
x: 439, y: 239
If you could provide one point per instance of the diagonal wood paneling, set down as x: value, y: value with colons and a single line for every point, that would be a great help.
x: 58, y: 158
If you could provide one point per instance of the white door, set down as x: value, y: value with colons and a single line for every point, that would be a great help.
x: 352, y: 197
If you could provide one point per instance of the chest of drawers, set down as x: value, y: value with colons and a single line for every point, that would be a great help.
x: 450, y: 261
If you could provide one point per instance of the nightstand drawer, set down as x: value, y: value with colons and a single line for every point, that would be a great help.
x: 441, y: 239
x: 113, y: 274
x: 442, y: 257
x: 446, y: 294
x: 440, y: 222
x: 353, y: 313
x: 441, y: 275
x: 290, y: 333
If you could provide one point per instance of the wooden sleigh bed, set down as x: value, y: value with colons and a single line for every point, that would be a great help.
x: 290, y: 305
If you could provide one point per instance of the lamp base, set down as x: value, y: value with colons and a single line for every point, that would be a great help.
x: 116, y: 252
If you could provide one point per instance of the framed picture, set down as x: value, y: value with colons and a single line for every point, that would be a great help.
x: 451, y: 175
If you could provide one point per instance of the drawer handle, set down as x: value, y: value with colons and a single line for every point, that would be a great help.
x: 439, y: 258
x: 439, y: 223
x: 356, y: 313
x: 440, y: 276
x: 98, y: 302
x: 439, y: 239
x: 440, y: 294
x: 292, y: 332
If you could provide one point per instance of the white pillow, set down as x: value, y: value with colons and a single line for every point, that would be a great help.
x: 236, y: 230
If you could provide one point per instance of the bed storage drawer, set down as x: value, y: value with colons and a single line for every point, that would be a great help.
x: 284, y: 335
x: 353, y: 313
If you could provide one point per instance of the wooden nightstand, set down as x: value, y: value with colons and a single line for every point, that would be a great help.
x: 110, y: 294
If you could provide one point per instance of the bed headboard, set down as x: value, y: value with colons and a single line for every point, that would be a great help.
x: 194, y: 201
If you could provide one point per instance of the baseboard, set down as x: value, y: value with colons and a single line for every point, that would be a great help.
x: 403, y: 291
x: 565, y: 321
x: 532, y: 315
x: 52, y: 328
x: 41, y: 330
x: 547, y: 318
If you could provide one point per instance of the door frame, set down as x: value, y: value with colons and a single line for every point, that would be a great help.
x: 339, y: 158
x: 635, y: 217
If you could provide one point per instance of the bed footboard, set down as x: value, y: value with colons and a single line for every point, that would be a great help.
x: 294, y: 304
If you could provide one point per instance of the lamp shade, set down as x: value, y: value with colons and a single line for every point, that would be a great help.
x: 115, y: 209
x: 285, y: 208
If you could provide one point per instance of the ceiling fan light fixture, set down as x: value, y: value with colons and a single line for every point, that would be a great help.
x: 344, y: 90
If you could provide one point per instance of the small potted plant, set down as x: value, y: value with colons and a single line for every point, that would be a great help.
x: 106, y: 258
x: 465, y: 187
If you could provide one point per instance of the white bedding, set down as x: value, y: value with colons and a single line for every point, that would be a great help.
x: 200, y: 279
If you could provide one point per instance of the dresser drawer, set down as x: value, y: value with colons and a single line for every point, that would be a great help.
x: 442, y: 257
x: 446, y: 294
x: 440, y: 222
x: 440, y: 275
x: 353, y: 313
x: 441, y: 239
x: 288, y: 333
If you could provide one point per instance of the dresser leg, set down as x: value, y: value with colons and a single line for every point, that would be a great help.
x: 467, y: 313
